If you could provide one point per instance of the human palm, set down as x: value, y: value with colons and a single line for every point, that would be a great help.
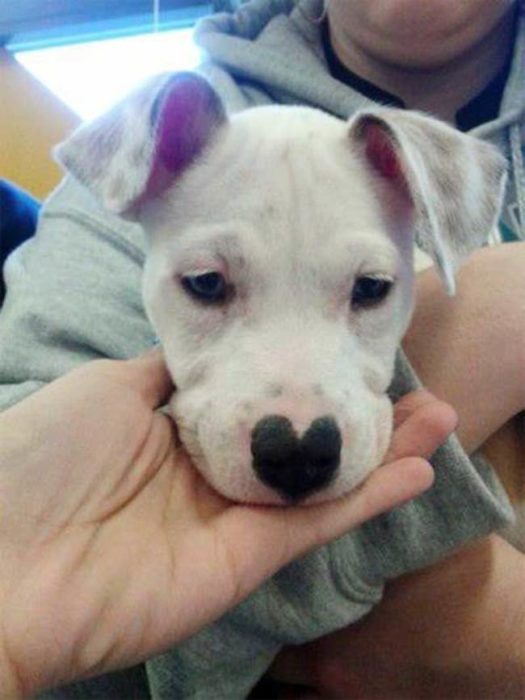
x: 113, y: 546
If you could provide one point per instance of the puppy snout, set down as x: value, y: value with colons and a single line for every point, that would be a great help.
x: 296, y: 466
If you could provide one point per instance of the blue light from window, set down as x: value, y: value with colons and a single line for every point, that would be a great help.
x: 91, y: 76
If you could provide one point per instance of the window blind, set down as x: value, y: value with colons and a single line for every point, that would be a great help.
x: 35, y: 23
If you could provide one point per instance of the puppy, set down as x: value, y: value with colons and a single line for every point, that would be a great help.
x: 279, y: 275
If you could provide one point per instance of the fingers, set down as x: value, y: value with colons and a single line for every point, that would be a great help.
x: 386, y: 488
x: 421, y: 424
x: 412, y: 402
x: 391, y: 486
x: 303, y: 528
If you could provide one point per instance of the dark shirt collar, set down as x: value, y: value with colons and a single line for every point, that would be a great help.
x: 483, y: 108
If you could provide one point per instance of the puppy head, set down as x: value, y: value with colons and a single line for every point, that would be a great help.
x: 279, y: 272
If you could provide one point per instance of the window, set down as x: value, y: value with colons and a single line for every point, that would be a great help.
x: 54, y: 21
x: 92, y: 53
x: 91, y: 76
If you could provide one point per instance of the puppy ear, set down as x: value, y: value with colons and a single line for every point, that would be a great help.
x: 137, y: 149
x: 450, y: 183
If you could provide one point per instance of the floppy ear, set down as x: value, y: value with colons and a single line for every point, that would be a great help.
x: 451, y: 183
x: 137, y: 149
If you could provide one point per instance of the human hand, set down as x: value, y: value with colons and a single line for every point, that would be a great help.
x: 113, y: 548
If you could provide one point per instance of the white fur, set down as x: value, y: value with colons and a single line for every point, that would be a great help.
x: 284, y: 205
x: 293, y: 260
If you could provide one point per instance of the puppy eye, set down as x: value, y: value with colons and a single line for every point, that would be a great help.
x: 208, y: 287
x: 370, y: 291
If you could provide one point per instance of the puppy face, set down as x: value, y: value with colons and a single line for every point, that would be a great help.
x: 279, y: 272
x: 277, y: 290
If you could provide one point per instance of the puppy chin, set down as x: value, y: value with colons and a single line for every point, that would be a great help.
x: 257, y: 494
x: 240, y: 485
x: 347, y: 482
x: 249, y: 490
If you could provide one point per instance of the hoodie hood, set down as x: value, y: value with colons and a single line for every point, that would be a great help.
x: 276, y: 45
x: 272, y: 51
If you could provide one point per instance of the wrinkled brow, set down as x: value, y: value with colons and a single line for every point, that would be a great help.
x: 209, y: 243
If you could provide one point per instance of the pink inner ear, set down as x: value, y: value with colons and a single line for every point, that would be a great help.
x: 188, y: 114
x: 381, y: 151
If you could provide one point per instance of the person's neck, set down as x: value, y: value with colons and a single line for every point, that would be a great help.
x: 442, y: 90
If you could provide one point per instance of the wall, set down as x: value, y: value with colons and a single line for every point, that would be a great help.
x: 32, y: 120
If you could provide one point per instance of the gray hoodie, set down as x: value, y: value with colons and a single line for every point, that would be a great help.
x: 74, y: 295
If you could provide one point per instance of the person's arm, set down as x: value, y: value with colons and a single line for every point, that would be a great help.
x: 470, y: 349
x: 114, y: 548
x: 454, y: 630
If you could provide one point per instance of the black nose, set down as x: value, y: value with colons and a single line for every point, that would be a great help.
x: 296, y: 467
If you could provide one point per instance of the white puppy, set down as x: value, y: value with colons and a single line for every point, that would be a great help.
x: 279, y: 276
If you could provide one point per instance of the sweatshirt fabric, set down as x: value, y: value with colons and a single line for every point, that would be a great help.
x: 74, y: 294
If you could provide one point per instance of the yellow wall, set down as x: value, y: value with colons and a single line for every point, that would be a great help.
x: 32, y: 120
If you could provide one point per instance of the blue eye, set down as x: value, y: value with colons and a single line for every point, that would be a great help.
x: 370, y: 291
x: 208, y: 287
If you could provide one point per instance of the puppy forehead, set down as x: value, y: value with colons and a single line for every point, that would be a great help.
x: 296, y: 155
x: 242, y: 245
x: 277, y: 168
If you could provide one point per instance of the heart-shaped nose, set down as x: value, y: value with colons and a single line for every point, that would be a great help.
x: 296, y: 467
